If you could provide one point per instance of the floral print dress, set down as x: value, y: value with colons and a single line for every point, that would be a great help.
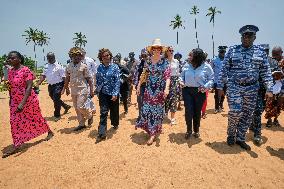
x: 153, y: 108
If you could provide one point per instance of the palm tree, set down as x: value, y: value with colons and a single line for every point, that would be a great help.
x: 32, y: 35
x: 43, y: 41
x: 195, y: 11
x: 80, y: 40
x: 176, y: 24
x: 212, y: 12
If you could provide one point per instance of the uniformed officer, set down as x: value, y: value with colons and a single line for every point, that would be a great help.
x: 256, y: 122
x: 216, y: 64
x: 242, y: 67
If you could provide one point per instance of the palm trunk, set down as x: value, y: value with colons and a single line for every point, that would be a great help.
x: 213, y: 40
x: 177, y: 37
x: 43, y: 54
x: 196, y: 32
x: 35, y: 57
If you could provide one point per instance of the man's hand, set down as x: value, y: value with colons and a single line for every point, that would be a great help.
x: 114, y: 98
x: 92, y: 94
x: 220, y: 93
x: 268, y: 96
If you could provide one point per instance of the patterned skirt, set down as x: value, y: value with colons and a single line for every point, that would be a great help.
x: 174, y: 95
x: 273, y: 108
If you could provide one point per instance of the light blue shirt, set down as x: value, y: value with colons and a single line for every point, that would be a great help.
x: 217, y: 66
x: 200, y: 77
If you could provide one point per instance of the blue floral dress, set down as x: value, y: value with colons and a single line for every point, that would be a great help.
x: 152, y: 112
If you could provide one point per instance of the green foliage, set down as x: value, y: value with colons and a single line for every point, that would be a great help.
x: 177, y: 22
x: 29, y: 62
x: 79, y: 40
x: 2, y: 60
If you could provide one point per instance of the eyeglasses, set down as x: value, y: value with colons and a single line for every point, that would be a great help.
x: 156, y: 49
x: 106, y: 55
x: 171, y: 50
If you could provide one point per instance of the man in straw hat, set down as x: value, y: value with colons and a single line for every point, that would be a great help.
x: 77, y: 74
x: 242, y: 67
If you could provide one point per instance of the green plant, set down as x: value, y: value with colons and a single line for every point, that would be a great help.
x: 176, y: 24
x: 79, y: 40
x: 195, y: 11
x: 212, y: 12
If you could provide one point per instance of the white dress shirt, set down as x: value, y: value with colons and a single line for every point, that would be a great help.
x: 92, y: 66
x: 53, y: 73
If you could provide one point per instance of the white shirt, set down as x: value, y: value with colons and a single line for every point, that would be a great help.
x: 53, y: 73
x: 174, y: 64
x: 92, y: 66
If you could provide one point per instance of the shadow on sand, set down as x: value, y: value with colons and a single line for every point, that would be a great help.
x: 24, y: 148
x: 179, y: 139
x: 278, y: 153
x: 223, y: 148
x: 142, y: 138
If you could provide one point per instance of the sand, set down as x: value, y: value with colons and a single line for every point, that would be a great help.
x: 75, y: 160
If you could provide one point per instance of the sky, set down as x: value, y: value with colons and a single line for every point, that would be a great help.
x: 130, y: 25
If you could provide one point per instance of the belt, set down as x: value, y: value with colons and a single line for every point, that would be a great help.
x: 57, y: 83
x: 247, y: 84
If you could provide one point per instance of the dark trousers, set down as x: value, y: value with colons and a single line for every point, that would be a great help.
x: 124, y: 92
x: 55, y: 94
x: 193, y: 101
x: 219, y: 100
x: 106, y: 104
x: 140, y: 97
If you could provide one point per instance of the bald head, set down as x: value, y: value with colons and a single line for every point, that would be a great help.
x: 277, y: 53
x: 50, y: 58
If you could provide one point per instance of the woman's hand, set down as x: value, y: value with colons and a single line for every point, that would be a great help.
x: 20, y: 107
x: 138, y: 91
x: 114, y: 98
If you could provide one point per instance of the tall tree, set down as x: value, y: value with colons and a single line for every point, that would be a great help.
x: 80, y: 40
x: 176, y: 24
x: 32, y: 35
x: 43, y: 41
x: 195, y: 11
x: 212, y: 12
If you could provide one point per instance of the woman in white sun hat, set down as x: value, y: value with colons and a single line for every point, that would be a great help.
x: 157, y: 78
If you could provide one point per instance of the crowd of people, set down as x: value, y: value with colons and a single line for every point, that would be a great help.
x: 251, y: 80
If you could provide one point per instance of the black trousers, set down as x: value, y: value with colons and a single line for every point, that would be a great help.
x: 219, y: 101
x: 106, y: 104
x: 124, y: 92
x: 193, y: 101
x: 55, y: 94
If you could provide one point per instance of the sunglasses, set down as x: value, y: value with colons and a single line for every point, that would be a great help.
x: 171, y: 50
x: 156, y: 49
x: 106, y: 55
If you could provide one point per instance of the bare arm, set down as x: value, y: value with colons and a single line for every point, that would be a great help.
x: 29, y: 84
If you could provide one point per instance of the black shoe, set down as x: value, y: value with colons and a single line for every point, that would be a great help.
x: 102, y: 137
x: 80, y: 128
x: 276, y: 123
x: 67, y: 109
x: 49, y: 135
x: 187, y: 135
x: 56, y: 118
x: 258, y: 140
x: 243, y: 145
x: 269, y: 123
x: 196, y: 135
x: 115, y: 127
x: 90, y: 121
x: 230, y: 141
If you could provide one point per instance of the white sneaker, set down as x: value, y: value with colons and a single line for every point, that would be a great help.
x: 173, y: 121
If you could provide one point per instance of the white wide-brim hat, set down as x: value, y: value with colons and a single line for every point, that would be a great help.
x: 156, y: 43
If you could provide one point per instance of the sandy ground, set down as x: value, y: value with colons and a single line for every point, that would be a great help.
x: 75, y: 160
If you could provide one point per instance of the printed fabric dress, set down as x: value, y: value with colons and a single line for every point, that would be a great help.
x: 153, y: 108
x: 28, y: 123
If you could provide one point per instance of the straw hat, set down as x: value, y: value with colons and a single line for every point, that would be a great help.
x: 156, y: 43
